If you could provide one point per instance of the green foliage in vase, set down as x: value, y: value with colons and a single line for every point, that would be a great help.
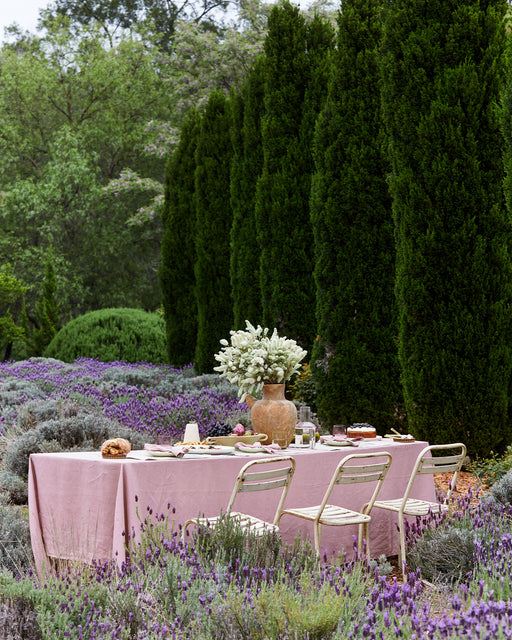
x: 354, y: 362
x: 213, y: 223
x: 246, y: 167
x: 131, y: 335
x: 441, y: 83
x: 295, y: 84
x: 177, y: 281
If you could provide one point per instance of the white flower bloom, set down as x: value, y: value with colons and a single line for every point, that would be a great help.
x: 254, y: 358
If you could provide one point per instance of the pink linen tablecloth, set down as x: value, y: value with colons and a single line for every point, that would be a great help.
x: 81, y: 505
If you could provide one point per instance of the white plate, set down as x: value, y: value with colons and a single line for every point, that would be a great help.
x: 338, y: 443
x: 299, y: 446
x: 254, y: 449
x: 216, y: 450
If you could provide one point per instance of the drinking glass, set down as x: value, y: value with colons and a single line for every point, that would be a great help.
x: 339, y: 430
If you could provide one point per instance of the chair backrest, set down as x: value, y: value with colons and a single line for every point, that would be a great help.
x: 253, y: 476
x: 426, y: 463
x: 366, y: 471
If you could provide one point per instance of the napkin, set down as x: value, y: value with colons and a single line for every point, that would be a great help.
x: 258, y: 446
x: 177, y: 451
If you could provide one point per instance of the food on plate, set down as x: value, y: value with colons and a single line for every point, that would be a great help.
x: 404, y: 438
x: 361, y: 429
x: 202, y: 444
x: 115, y: 448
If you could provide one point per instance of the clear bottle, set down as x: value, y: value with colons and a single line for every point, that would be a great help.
x: 307, y: 427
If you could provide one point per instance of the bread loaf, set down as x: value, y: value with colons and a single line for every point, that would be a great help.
x: 115, y: 448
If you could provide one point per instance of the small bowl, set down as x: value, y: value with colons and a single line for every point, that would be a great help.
x: 229, y: 441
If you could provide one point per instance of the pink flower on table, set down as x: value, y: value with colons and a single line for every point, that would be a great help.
x: 239, y: 430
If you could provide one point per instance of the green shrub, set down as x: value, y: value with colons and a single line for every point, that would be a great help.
x: 501, y: 491
x: 303, y: 387
x: 15, y: 550
x: 15, y: 392
x: 13, y: 488
x: 130, y: 335
x: 445, y: 555
x: 80, y: 432
x: 490, y: 470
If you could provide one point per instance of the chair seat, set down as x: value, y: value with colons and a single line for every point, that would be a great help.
x: 248, y: 523
x: 332, y: 515
x: 413, y: 507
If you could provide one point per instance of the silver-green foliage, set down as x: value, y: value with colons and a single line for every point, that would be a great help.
x: 80, y: 432
x: 501, y: 491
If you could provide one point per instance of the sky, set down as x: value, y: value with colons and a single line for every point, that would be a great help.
x: 24, y: 12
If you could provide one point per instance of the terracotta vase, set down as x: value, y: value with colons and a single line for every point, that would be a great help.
x: 273, y: 415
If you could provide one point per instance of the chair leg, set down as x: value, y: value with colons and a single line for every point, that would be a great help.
x: 401, y: 545
x: 184, y: 529
x: 318, y: 535
x: 367, y: 538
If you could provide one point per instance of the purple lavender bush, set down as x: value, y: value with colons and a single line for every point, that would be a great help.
x: 219, y: 585
x: 150, y: 399
x: 172, y: 588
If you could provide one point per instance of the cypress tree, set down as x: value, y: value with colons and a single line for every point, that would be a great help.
x: 443, y: 68
x: 47, y: 310
x: 246, y: 167
x: 177, y: 280
x: 282, y: 198
x: 214, y: 219
x: 355, y: 363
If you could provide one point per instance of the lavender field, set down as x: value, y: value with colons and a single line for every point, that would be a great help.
x: 215, y: 585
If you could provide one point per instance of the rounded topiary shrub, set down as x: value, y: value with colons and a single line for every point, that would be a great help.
x: 130, y: 335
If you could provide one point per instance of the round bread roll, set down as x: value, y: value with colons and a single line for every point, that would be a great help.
x: 115, y: 448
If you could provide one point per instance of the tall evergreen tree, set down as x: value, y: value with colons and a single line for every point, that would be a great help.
x: 246, y: 167
x: 282, y: 198
x: 214, y: 219
x: 443, y: 69
x: 47, y: 309
x: 355, y: 362
x: 177, y: 280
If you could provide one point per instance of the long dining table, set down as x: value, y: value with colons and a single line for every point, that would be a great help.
x: 82, y: 506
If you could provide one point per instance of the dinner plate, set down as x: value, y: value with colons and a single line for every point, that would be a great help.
x: 299, y: 446
x: 252, y: 449
x: 338, y: 443
x: 215, y: 450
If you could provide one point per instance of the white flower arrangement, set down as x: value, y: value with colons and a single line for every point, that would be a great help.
x: 254, y: 358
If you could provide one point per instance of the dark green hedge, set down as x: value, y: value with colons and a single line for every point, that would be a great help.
x: 131, y: 335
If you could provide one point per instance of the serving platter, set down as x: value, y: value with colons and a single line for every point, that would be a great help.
x: 229, y: 441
